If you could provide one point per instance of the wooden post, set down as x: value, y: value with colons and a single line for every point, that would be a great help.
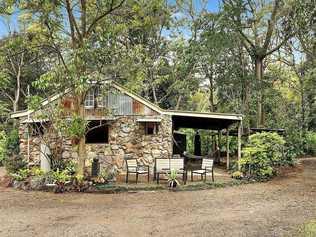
x: 227, y: 148
x: 239, y: 144
x: 219, y: 146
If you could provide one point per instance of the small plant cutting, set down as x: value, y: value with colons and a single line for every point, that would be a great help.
x: 172, y: 179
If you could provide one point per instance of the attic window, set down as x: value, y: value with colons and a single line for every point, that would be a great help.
x: 101, y: 99
x: 151, y: 128
x: 89, y: 100
x: 98, y: 132
x: 95, y: 98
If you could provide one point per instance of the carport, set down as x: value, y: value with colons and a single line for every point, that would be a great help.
x: 211, y: 121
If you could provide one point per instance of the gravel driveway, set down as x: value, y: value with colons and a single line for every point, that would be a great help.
x: 275, y: 208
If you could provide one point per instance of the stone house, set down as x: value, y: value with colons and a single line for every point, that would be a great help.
x: 120, y: 124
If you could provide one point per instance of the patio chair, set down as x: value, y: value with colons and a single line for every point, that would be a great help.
x: 134, y: 168
x: 206, y: 168
x: 162, y: 165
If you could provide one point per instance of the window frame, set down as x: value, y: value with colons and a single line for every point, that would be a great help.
x: 155, y: 127
x: 89, y: 97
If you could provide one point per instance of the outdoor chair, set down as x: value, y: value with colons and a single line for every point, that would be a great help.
x: 206, y: 168
x: 164, y: 166
x: 132, y: 167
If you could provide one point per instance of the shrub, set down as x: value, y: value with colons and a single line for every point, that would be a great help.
x: 263, y: 154
x: 60, y: 176
x: 311, y: 143
x: 14, y: 163
x: 71, y: 167
x: 3, y: 147
x: 36, y: 171
x: 21, y: 174
x: 60, y: 179
x: 237, y: 175
x: 13, y: 142
x: 103, y: 176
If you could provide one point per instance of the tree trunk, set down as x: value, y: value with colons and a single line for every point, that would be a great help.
x: 211, y: 97
x: 302, y: 95
x: 178, y: 102
x: 81, y: 155
x: 259, y: 74
x: 82, y: 141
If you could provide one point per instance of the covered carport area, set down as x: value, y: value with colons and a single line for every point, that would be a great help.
x: 220, y: 122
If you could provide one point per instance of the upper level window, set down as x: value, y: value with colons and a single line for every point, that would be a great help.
x: 89, y: 100
x: 94, y: 98
x: 102, y: 100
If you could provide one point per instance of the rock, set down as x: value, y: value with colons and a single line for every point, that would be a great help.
x: 115, y: 147
x: 74, y: 155
x: 156, y: 153
x: 65, y: 155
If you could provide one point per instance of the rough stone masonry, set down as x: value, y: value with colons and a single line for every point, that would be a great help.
x: 126, y: 138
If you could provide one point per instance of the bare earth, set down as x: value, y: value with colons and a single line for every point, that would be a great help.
x: 276, y: 208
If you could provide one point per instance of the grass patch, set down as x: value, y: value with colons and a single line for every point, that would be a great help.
x: 117, y: 188
x: 308, y: 229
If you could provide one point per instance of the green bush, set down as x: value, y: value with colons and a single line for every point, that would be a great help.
x: 14, y: 163
x: 262, y: 155
x: 21, y: 174
x: 311, y: 143
x: 237, y: 175
x: 13, y: 143
x: 36, y: 171
x: 61, y: 177
x: 3, y: 147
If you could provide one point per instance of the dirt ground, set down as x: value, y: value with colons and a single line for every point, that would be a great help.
x: 275, y: 208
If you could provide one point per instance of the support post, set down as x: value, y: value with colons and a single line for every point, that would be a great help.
x: 227, y: 148
x: 28, y: 129
x: 239, y: 144
x: 219, y: 146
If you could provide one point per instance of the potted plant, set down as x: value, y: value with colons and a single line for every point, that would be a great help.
x: 172, y: 179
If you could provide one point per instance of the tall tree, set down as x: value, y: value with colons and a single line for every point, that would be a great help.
x: 69, y: 28
x: 263, y: 27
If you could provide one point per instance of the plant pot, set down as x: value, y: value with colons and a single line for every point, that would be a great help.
x: 172, y: 184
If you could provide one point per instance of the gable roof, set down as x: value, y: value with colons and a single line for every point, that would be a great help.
x: 154, y: 107
x: 115, y: 85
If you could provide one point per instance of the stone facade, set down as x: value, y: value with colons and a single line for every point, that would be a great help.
x: 126, y: 138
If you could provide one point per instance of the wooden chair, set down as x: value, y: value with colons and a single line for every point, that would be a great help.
x: 134, y: 168
x: 207, y: 167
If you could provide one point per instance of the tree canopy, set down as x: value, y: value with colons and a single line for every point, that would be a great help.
x: 255, y: 57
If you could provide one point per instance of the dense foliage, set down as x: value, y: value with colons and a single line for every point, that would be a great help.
x: 251, y: 57
x: 263, y: 154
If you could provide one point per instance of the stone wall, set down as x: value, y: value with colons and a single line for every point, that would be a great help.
x: 126, y: 137
x: 35, y: 142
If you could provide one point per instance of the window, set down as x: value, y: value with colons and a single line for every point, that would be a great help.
x: 37, y: 129
x: 151, y: 128
x: 98, y: 132
x: 89, y: 100
x: 95, y: 97
x: 102, y: 100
